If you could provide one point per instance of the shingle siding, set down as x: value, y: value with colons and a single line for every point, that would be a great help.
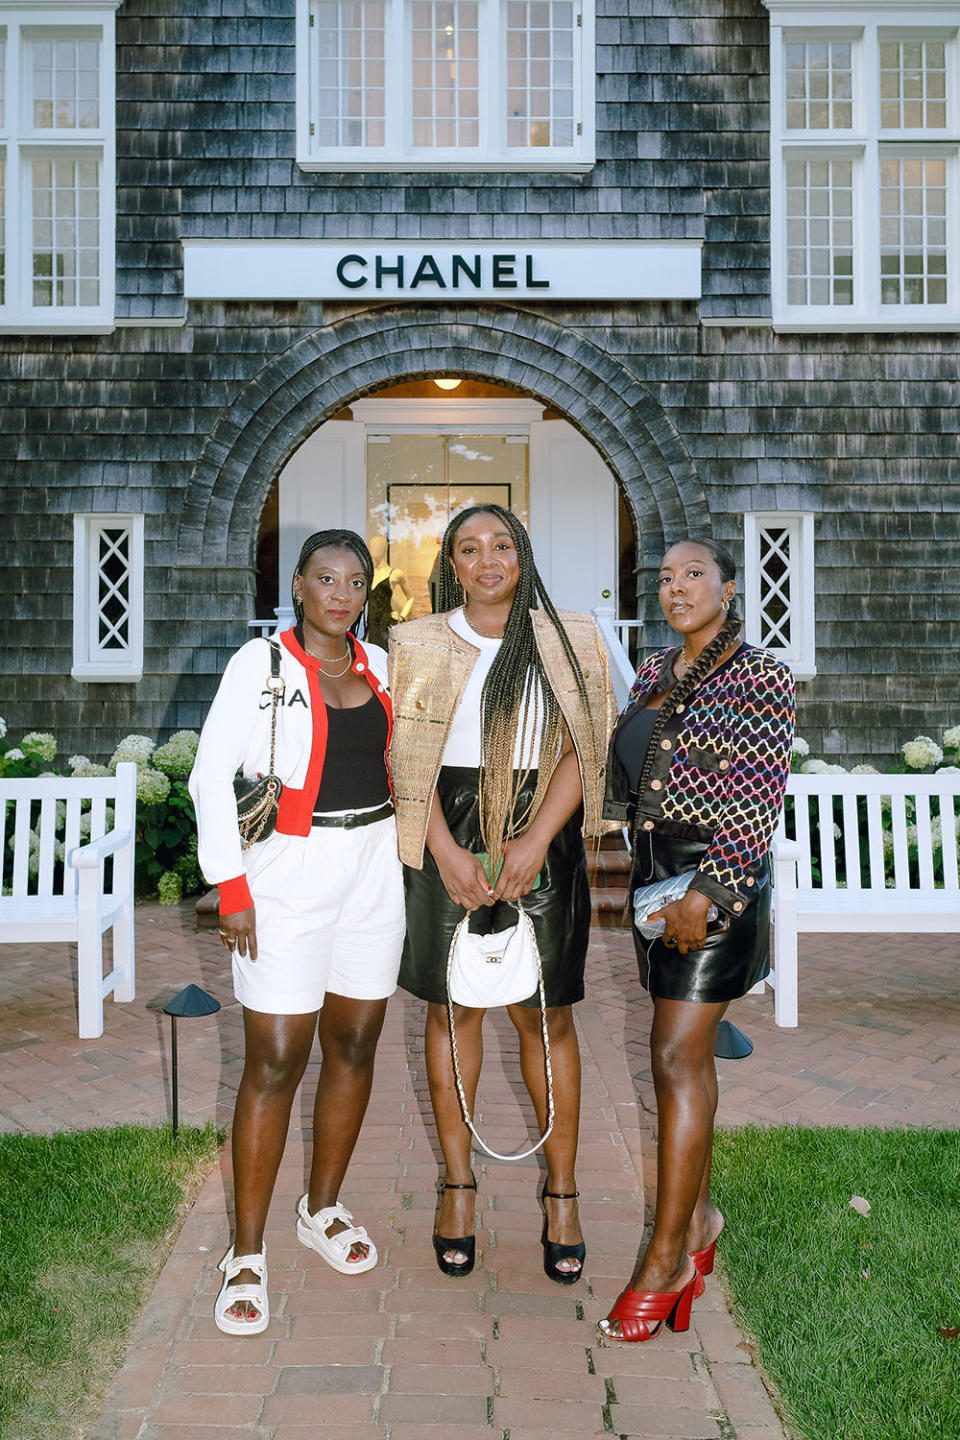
x: 861, y: 429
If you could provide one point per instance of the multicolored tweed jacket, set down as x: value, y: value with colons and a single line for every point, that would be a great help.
x: 430, y: 665
x: 720, y: 769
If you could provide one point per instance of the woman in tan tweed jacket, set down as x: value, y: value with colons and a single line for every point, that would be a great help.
x: 502, y: 711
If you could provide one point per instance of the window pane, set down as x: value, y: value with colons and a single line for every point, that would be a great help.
x: 64, y: 80
x: 913, y: 81
x: 446, y: 81
x: 63, y: 249
x: 3, y: 229
x: 818, y: 76
x: 820, y: 232
x: 776, y: 588
x: 113, y: 589
x: 540, y: 102
x: 913, y: 241
x: 351, y: 92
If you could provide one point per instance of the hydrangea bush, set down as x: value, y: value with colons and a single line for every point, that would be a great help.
x: 166, y: 848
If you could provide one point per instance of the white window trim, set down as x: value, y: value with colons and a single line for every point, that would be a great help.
x: 89, y: 664
x: 577, y: 159
x: 18, y: 315
x: 801, y: 655
x: 860, y: 21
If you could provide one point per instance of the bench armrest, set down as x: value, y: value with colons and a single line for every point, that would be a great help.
x: 87, y: 857
x: 786, y: 850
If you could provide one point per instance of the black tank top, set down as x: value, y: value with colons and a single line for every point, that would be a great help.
x: 354, y: 770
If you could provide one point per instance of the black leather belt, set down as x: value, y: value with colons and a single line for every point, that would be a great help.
x: 353, y: 820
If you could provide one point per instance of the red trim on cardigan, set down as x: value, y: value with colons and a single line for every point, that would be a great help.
x: 235, y: 895
x: 295, y: 812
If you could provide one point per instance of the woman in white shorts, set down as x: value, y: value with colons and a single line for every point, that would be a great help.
x: 313, y: 915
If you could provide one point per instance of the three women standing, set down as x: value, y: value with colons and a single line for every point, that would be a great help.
x: 502, y: 711
x: 698, y: 767
x: 312, y: 915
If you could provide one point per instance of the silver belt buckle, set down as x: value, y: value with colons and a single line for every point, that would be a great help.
x: 350, y: 820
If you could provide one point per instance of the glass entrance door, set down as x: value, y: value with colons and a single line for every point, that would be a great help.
x: 417, y: 482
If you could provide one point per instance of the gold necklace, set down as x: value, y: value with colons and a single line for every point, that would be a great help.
x: 323, y: 660
x: 477, y: 631
x: 683, y: 660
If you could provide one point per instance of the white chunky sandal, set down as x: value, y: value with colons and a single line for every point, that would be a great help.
x: 335, y: 1249
x: 230, y: 1293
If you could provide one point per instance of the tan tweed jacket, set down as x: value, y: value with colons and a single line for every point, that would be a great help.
x: 429, y: 668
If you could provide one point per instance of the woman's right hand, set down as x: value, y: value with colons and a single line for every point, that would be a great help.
x: 464, y: 878
x: 239, y: 932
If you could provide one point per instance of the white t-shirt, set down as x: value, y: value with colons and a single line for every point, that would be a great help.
x: 463, y: 739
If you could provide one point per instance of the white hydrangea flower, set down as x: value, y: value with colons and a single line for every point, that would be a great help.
x: 3, y: 727
x: 15, y: 754
x: 801, y: 748
x: 39, y: 745
x: 921, y: 752
x: 814, y: 767
x: 834, y: 770
x: 864, y: 770
x: 888, y: 845
x: 153, y: 786
x: 137, y: 748
x: 76, y: 761
x: 948, y: 769
x: 951, y: 737
x: 91, y: 770
x: 177, y: 756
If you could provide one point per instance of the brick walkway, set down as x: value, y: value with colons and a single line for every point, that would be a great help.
x: 404, y: 1353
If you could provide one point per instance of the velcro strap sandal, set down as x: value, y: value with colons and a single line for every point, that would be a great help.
x: 255, y: 1294
x: 335, y: 1249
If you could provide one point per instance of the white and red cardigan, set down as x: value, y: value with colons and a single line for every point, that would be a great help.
x: 236, y: 736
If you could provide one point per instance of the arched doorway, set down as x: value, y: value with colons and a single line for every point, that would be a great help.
x: 396, y: 466
x: 359, y: 354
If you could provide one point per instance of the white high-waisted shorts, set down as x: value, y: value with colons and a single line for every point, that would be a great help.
x: 329, y: 914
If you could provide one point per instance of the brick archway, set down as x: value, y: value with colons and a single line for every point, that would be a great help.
x: 337, y: 364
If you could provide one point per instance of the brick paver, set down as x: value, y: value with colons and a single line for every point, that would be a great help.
x: 403, y: 1353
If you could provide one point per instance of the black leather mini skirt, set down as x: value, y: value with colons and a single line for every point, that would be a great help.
x: 730, y: 963
x: 559, y: 907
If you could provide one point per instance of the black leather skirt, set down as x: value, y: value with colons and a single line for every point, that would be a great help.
x: 559, y: 907
x: 730, y: 962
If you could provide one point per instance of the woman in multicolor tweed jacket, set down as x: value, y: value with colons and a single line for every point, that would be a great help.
x: 698, y: 766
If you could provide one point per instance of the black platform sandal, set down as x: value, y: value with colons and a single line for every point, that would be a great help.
x: 553, y: 1252
x: 467, y: 1244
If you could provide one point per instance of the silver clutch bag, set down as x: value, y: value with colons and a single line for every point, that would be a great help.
x: 648, y: 899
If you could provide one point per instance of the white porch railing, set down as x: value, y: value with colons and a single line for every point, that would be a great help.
x: 285, y: 619
x: 616, y: 637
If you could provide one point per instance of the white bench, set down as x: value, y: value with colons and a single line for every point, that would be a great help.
x: 858, y: 889
x: 68, y: 900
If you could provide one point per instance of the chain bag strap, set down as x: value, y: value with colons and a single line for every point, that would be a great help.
x: 525, y: 921
x: 258, y: 800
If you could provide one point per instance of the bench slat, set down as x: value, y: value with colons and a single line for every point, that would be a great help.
x: 48, y: 834
x: 875, y: 842
x: 851, y: 841
x: 948, y: 840
x: 828, y: 855
x: 71, y: 839
x: 802, y: 811
x: 924, y: 842
x: 21, y: 846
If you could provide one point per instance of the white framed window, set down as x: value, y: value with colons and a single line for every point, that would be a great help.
x: 107, y: 597
x: 57, y: 166
x: 445, y: 84
x: 778, y: 587
x: 865, y: 165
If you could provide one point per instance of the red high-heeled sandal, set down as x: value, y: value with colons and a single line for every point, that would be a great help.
x: 703, y: 1259
x: 635, y: 1308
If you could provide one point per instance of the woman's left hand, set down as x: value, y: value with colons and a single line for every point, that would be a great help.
x: 523, y: 859
x: 686, y: 922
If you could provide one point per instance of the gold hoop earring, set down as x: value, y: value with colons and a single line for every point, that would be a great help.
x: 725, y: 605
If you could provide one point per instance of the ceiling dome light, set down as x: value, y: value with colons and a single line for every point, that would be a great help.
x: 447, y: 383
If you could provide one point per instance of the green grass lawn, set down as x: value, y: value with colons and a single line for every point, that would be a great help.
x: 86, y: 1220
x: 848, y: 1311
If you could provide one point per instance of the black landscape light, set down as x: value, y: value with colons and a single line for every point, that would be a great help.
x: 190, y: 1003
x: 732, y: 1044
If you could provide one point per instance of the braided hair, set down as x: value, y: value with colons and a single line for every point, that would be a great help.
x: 680, y: 690
x: 335, y: 540
x: 510, y: 700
